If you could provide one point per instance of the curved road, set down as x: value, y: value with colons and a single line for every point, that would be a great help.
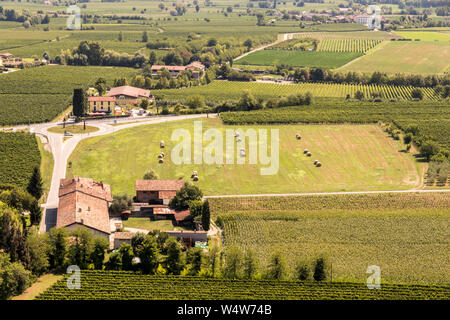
x: 62, y: 150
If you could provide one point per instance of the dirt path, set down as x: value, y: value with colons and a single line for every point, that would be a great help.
x: 40, y: 285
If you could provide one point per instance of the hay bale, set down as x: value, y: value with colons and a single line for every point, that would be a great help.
x: 318, y: 164
x: 239, y: 140
x: 160, y: 156
x: 316, y: 161
x: 161, y: 144
x: 195, y: 178
x: 305, y: 151
x: 236, y: 134
x: 161, y: 160
x: 308, y: 154
x: 298, y: 136
x: 195, y: 173
x: 163, y: 155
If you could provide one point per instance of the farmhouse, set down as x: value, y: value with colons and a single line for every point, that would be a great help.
x: 165, y: 213
x: 194, y: 66
x: 84, y: 203
x: 102, y: 104
x: 157, y: 191
x: 128, y: 95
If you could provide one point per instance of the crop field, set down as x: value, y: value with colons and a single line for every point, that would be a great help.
x: 410, y: 245
x: 40, y: 94
x: 423, y: 57
x: 229, y: 90
x: 299, y: 58
x: 432, y: 118
x: 381, y: 35
x: 424, y: 35
x: 354, y: 157
x: 107, y: 285
x: 19, y: 154
x: 347, y: 45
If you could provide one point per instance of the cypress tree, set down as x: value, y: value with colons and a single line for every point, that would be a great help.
x: 35, y: 184
x: 206, y: 216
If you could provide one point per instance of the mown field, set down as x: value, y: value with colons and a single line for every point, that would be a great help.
x: 113, y: 285
x: 425, y: 57
x: 299, y: 58
x: 232, y: 90
x: 432, y: 118
x: 354, y: 157
x: 405, y: 234
x: 424, y: 35
x: 19, y: 154
x: 40, y: 94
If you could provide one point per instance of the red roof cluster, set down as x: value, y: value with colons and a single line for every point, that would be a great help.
x: 158, y: 185
x: 129, y: 91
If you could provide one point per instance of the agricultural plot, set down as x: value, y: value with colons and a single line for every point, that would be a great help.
x: 348, y: 45
x: 299, y: 58
x: 19, y: 154
x: 232, y: 90
x: 381, y: 35
x: 112, y: 285
x: 404, y: 57
x: 354, y: 157
x: 40, y: 94
x: 409, y: 245
x: 424, y: 35
x: 432, y: 118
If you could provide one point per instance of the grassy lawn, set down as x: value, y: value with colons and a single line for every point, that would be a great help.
x: 405, y: 56
x: 299, y: 58
x: 353, y: 157
x: 147, y: 224
x: 46, y: 165
x: 424, y: 35
x: 41, y: 284
x: 75, y: 129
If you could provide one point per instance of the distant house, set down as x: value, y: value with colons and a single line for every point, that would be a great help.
x: 83, y: 203
x: 6, y: 56
x: 178, y: 217
x: 194, y: 66
x: 125, y: 95
x: 189, y: 237
x: 122, y: 237
x: 102, y: 104
x: 157, y: 191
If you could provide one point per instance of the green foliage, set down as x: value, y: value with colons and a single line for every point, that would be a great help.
x: 35, y: 185
x: 233, y: 263
x: 114, y: 262
x: 320, y: 269
x: 100, y: 246
x: 14, y: 279
x: 151, y: 175
x: 57, y: 242
x: 79, y: 102
x: 126, y: 254
x: 149, y: 255
x: 250, y: 264
x: 277, y: 268
x: 195, y: 259
x: 196, y: 208
x: 302, y: 271
x: 174, y: 262
x: 81, y: 248
x: 184, y: 196
x: 206, y: 216
x: 195, y: 101
x: 39, y: 253
x: 120, y: 203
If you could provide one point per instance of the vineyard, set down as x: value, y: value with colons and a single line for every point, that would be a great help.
x: 379, y: 201
x: 347, y: 45
x: 19, y: 154
x: 227, y: 90
x: 410, y: 245
x: 432, y: 118
x: 40, y: 94
x: 113, y: 285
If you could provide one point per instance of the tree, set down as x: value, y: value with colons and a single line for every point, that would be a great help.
x: 149, y: 255
x: 100, y: 85
x: 417, y: 94
x: 184, y: 196
x: 233, y: 263
x: 195, y: 260
x: 196, y: 208
x: 39, y: 249
x: 152, y: 58
x: 35, y: 184
x: 359, y: 95
x: 195, y: 101
x: 114, y: 262
x: 81, y: 248
x: 277, y: 267
x: 174, y: 261
x: 14, y: 279
x: 212, y: 260
x: 250, y: 264
x: 197, y: 8
x: 144, y: 103
x: 120, y: 203
x: 13, y: 233
x: 429, y: 148
x: 120, y: 38
x: 57, y: 241
x: 126, y: 254
x: 151, y: 175
x: 79, y: 102
x: 407, y: 138
x: 98, y: 253
x: 35, y: 212
x: 206, y: 216
x: 320, y: 269
x: 247, y: 101
x: 302, y: 271
x: 260, y: 19
x: 144, y: 36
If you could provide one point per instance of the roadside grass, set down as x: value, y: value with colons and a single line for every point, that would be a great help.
x: 75, y: 129
x: 40, y: 285
x: 354, y: 157
x: 47, y: 163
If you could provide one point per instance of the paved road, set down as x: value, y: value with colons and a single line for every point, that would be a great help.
x: 62, y: 150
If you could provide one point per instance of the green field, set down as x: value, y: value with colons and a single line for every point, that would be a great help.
x: 299, y: 58
x: 424, y: 35
x: 40, y: 94
x: 354, y: 157
x: 410, y: 245
x: 112, y: 285
x: 232, y: 90
x: 19, y: 154
x: 347, y: 45
x: 147, y: 224
x: 404, y: 56
x: 74, y: 129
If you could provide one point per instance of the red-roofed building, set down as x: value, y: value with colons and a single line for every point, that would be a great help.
x: 194, y: 66
x: 102, y: 104
x: 157, y: 191
x: 128, y: 95
x: 83, y: 203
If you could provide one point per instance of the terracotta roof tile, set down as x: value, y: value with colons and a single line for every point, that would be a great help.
x: 129, y: 91
x: 158, y: 185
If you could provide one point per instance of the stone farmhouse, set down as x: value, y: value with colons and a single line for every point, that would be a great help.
x: 117, y: 97
x: 157, y: 191
x: 196, y: 67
